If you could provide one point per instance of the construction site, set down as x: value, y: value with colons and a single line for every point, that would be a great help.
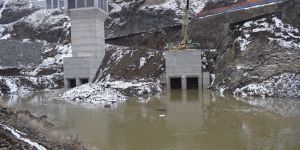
x: 149, y: 74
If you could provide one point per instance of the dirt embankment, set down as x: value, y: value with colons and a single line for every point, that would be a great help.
x: 38, y: 130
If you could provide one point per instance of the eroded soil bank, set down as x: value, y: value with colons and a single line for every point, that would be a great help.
x: 22, y: 130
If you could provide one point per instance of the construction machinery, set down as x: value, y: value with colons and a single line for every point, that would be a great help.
x: 185, y: 43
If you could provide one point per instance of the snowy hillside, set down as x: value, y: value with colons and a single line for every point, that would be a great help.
x: 125, y: 72
x: 266, y: 60
x: 128, y: 17
x: 40, y: 32
x: 176, y: 5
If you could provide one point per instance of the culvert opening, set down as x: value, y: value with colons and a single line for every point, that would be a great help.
x: 192, y: 83
x: 84, y: 80
x: 175, y: 83
x: 72, y: 83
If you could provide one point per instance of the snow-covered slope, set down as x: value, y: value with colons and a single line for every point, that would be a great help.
x: 284, y: 34
x: 264, y: 59
x: 125, y: 72
x: 47, y: 28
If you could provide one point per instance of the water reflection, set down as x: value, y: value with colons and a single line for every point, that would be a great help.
x: 282, y: 106
x: 193, y: 120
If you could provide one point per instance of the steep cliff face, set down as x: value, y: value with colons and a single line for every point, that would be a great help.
x: 263, y: 59
x: 134, y: 16
x: 290, y: 13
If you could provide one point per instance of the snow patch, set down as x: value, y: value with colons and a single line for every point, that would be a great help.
x: 3, y: 7
x: 178, y: 6
x: 11, y: 84
x: 283, y: 85
x: 142, y: 62
x: 108, y: 92
x: 284, y: 34
x: 26, y: 140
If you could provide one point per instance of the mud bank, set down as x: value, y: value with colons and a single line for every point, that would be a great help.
x: 22, y: 130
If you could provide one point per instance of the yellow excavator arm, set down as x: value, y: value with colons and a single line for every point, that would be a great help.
x: 185, y: 25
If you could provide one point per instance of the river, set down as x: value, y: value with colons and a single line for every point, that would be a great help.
x: 176, y: 120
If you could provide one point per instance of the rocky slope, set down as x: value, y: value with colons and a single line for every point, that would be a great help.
x: 268, y: 65
x: 263, y: 59
x: 22, y: 130
x: 32, y: 47
x: 125, y: 72
x: 127, y: 17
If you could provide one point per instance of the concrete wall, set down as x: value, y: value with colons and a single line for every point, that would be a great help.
x: 185, y: 64
x: 79, y: 68
x: 87, y: 33
x: 88, y: 44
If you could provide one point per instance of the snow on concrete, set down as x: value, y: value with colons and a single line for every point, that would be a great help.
x: 109, y: 92
x: 284, y: 34
x: 19, y: 136
x: 283, y: 85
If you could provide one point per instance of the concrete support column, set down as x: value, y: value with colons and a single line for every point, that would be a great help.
x: 96, y: 3
x: 77, y: 82
x: 184, y: 95
x: 168, y: 83
x: 200, y: 81
x: 66, y: 83
x: 66, y: 4
x: 206, y: 80
x: 183, y: 83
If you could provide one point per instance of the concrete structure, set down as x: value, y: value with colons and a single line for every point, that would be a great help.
x: 54, y: 4
x: 184, y: 70
x: 88, y: 41
x: 48, y: 4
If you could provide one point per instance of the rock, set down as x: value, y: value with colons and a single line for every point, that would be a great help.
x: 263, y: 49
x: 16, y: 10
x: 16, y: 53
x: 290, y: 12
x: 131, y: 19
x: 49, y: 25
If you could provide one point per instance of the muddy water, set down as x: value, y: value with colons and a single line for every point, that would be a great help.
x: 192, y: 120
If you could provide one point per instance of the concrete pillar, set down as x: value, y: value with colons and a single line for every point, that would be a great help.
x: 184, y: 95
x: 77, y: 82
x: 66, y: 83
x: 168, y: 83
x: 66, y: 4
x: 200, y: 81
x: 206, y: 79
x: 96, y: 3
x: 183, y: 83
